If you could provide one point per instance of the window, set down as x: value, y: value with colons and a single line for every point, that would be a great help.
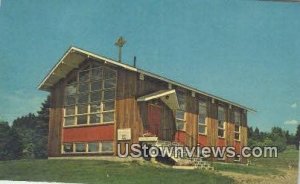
x: 237, y: 125
x: 107, y: 147
x: 202, y: 127
x: 88, y: 147
x: 93, y: 147
x: 68, y: 148
x: 180, y: 118
x: 80, y: 147
x: 91, y: 98
x: 221, y: 122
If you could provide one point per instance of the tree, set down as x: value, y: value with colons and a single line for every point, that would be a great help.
x: 14, y: 146
x: 10, y: 144
x: 256, y: 135
x: 297, y: 137
x: 41, y: 131
x: 250, y: 132
x: 25, y: 128
x: 4, y: 136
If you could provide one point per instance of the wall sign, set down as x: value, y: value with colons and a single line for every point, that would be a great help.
x: 124, y: 134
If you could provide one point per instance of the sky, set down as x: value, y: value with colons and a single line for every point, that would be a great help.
x: 245, y: 51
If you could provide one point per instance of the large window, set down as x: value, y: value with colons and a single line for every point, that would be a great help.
x: 237, y: 124
x: 180, y: 117
x: 90, y: 99
x: 88, y: 147
x: 202, y: 126
x: 221, y: 122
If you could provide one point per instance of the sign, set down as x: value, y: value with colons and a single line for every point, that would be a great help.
x: 124, y: 134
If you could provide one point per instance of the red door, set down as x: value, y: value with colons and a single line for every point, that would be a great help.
x: 154, y: 118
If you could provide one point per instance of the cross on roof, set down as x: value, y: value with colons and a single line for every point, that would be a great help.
x: 119, y: 43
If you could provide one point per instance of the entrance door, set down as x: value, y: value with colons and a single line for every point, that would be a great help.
x: 154, y: 119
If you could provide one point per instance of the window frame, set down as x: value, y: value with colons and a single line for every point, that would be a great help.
x: 86, y: 146
x: 239, y: 124
x: 178, y: 92
x: 223, y: 122
x: 89, y: 92
x: 205, y: 119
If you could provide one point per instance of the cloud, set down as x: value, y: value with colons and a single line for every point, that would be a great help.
x: 294, y: 105
x: 292, y: 122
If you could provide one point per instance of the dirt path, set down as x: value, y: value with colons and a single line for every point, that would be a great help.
x: 289, y: 178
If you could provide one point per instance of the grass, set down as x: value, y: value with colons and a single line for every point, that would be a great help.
x: 92, y: 171
x: 96, y: 171
x: 264, y: 166
x: 244, y: 169
x: 289, y: 157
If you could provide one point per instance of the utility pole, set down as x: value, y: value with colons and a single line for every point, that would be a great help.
x: 120, y: 43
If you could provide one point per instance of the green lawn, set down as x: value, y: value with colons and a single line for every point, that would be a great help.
x: 264, y: 166
x: 91, y: 171
x: 96, y: 171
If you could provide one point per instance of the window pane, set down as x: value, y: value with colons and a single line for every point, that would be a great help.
x: 107, y: 147
x: 110, y: 83
x: 95, y: 96
x: 83, y: 98
x: 80, y: 147
x: 96, y: 74
x: 109, y: 94
x: 69, y: 121
x: 95, y: 107
x: 81, y: 119
x: 84, y: 76
x: 95, y: 86
x: 201, y: 129
x: 108, y: 73
x: 220, y: 133
x: 179, y: 125
x: 95, y: 118
x: 108, y: 117
x: 71, y: 89
x: 221, y: 113
x: 220, y: 124
x: 181, y: 100
x: 93, y: 147
x: 237, y: 136
x: 83, y: 87
x: 70, y: 110
x: 108, y: 106
x: 82, y: 109
x: 237, y: 117
x: 201, y: 119
x: 179, y: 114
x: 68, y: 148
x: 237, y: 128
x: 70, y: 100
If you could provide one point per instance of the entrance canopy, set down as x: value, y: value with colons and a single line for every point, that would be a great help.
x: 169, y: 97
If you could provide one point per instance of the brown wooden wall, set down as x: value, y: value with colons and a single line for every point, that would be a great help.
x: 133, y: 114
x: 56, y: 120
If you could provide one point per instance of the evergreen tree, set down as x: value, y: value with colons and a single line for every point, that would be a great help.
x: 41, y: 131
x: 256, y: 135
x: 297, y: 137
x: 4, y: 136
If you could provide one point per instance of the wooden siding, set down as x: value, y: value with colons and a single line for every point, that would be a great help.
x: 132, y: 114
x: 55, y: 120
